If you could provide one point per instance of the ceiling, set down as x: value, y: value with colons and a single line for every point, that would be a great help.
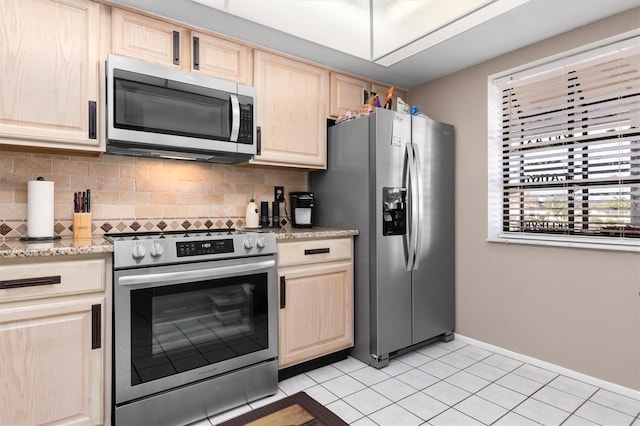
x: 529, y: 22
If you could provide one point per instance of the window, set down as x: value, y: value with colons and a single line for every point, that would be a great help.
x: 565, y: 149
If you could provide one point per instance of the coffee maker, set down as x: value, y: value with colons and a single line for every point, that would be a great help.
x: 301, y: 209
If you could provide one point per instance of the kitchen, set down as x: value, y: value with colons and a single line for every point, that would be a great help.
x: 489, y: 285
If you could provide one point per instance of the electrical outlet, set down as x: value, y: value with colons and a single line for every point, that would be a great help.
x: 278, y: 193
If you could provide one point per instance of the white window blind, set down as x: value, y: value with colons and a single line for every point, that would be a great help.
x: 569, y: 152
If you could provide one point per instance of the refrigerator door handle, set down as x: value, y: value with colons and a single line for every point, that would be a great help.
x: 416, y: 212
x: 410, y: 184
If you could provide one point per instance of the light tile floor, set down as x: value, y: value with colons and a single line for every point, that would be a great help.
x: 453, y: 383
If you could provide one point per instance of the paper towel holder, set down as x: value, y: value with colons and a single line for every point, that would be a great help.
x: 36, y: 239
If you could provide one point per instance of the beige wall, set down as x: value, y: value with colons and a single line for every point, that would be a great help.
x: 577, y: 308
x: 125, y: 188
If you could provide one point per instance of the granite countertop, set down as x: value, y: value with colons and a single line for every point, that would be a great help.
x: 64, y: 246
x: 15, y: 248
x: 289, y: 233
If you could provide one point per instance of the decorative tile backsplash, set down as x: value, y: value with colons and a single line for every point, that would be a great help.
x: 131, y: 194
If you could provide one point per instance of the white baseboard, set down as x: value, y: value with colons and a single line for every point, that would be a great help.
x: 622, y: 390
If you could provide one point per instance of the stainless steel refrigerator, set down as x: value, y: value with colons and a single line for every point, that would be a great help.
x: 391, y: 176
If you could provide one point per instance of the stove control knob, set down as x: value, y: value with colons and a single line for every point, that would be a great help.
x: 249, y: 243
x: 139, y: 251
x: 261, y: 243
x: 156, y: 250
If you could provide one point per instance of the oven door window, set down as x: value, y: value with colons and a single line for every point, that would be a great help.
x: 171, y: 108
x: 181, y: 327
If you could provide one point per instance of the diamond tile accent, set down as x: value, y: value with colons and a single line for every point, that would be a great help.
x: 161, y: 225
x: 5, y: 229
x: 186, y: 224
x: 208, y: 224
x: 59, y: 228
x: 121, y: 227
x: 135, y: 226
x: 219, y: 224
x: 148, y: 226
x: 229, y: 223
x: 106, y: 227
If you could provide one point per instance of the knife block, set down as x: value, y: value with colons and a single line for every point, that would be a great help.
x: 81, y: 225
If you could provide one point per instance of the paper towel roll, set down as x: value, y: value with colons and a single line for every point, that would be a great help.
x: 40, y: 209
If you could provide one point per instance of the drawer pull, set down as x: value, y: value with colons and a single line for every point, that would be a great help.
x: 96, y: 326
x: 29, y: 282
x: 316, y: 251
x: 283, y: 292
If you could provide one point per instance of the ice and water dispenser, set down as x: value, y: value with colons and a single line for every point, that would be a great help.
x: 394, y: 211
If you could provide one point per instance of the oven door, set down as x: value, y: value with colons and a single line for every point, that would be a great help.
x: 179, y: 324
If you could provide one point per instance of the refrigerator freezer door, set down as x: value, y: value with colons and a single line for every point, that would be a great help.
x: 434, y: 279
x: 390, y: 280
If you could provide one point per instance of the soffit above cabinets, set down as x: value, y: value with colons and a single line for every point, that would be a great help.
x: 412, y: 41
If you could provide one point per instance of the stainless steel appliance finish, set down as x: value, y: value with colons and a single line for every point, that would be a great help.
x: 195, y: 324
x: 391, y: 176
x: 157, y: 111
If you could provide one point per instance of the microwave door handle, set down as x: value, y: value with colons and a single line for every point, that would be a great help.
x: 235, y: 117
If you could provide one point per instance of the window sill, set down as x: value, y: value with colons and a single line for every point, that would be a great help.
x: 592, y: 243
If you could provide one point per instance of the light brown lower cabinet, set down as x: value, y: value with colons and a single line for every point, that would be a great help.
x: 316, y: 299
x: 53, y: 342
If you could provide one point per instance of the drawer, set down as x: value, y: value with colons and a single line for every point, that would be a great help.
x: 26, y: 280
x: 313, y: 251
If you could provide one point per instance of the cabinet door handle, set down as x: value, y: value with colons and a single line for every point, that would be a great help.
x: 283, y: 292
x: 96, y: 326
x: 92, y: 120
x: 29, y: 282
x: 308, y: 252
x: 196, y: 53
x: 176, y: 48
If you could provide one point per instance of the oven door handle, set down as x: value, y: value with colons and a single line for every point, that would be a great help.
x: 209, y: 273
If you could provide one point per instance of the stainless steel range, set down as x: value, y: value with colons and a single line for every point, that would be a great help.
x: 195, y: 324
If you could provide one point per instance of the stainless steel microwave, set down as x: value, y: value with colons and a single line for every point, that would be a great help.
x: 157, y: 111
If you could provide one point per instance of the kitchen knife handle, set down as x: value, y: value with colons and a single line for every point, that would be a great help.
x: 308, y: 252
x: 283, y: 292
x: 29, y: 282
x: 96, y: 326
x: 196, y: 53
x: 176, y: 48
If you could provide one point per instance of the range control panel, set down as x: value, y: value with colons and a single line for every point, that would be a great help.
x: 198, y: 248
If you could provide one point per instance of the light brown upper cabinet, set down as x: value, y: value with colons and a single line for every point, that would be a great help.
x: 221, y: 58
x: 149, y: 39
x: 292, y: 108
x: 50, y: 68
x: 166, y: 43
x: 347, y: 93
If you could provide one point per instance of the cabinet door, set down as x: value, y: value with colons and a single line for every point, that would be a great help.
x: 292, y: 111
x: 49, y: 73
x: 149, y: 39
x: 221, y: 58
x: 347, y: 93
x: 381, y: 90
x: 50, y: 373
x: 317, y: 317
